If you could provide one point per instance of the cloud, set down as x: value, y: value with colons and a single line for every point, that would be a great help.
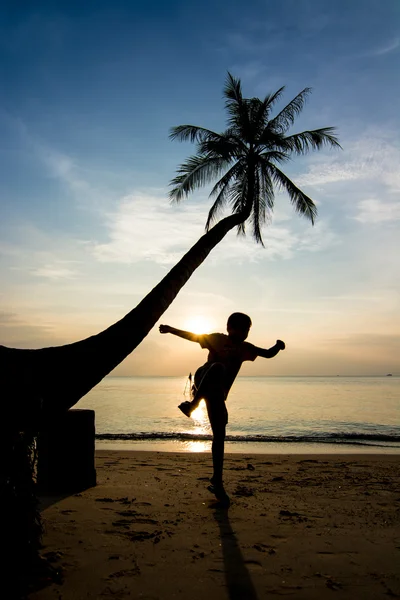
x: 377, y: 211
x: 56, y: 164
x: 66, y: 169
x: 373, y: 157
x: 55, y: 272
x: 389, y: 342
x: 147, y: 228
x: 44, y: 254
x: 332, y: 172
x: 17, y: 331
x: 280, y: 242
x: 367, y: 298
x: 385, y: 48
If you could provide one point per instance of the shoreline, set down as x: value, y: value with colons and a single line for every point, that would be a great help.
x: 303, y: 525
x: 193, y: 446
x: 317, y: 456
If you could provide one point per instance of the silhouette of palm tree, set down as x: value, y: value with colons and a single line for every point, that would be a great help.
x: 36, y: 384
x: 247, y: 155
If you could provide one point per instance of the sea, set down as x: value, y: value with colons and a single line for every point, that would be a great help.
x: 299, y: 415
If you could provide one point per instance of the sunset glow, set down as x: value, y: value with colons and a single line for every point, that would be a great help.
x: 90, y: 93
x: 199, y: 324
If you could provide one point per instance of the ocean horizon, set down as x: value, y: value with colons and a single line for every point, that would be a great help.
x: 280, y: 414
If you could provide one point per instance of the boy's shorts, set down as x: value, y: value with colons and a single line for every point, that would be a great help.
x: 209, y: 378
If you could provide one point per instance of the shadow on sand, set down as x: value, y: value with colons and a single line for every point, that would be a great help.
x: 47, y: 500
x: 237, y: 576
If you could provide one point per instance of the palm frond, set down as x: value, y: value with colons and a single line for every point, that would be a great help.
x: 224, y: 147
x: 275, y: 155
x: 222, y: 190
x: 236, y: 107
x: 232, y: 135
x: 270, y: 99
x: 301, y: 202
x: 258, y: 210
x: 264, y: 108
x: 255, y: 110
x: 264, y: 205
x: 215, y: 210
x: 303, y: 142
x: 245, y: 158
x: 285, y: 118
x: 192, y: 133
x: 234, y: 173
x: 196, y: 171
x: 233, y: 89
x: 240, y: 201
x: 270, y: 139
x: 267, y: 186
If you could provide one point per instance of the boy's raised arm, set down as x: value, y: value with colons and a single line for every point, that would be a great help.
x: 271, y: 352
x: 186, y: 335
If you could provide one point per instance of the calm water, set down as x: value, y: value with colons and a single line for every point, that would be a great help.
x: 266, y: 414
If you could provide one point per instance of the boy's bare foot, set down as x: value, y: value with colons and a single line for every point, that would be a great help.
x: 219, y: 492
x: 186, y: 408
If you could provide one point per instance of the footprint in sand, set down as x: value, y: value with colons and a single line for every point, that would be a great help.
x: 253, y: 565
x: 140, y: 536
x: 243, y: 491
x: 125, y: 573
x: 264, y: 548
x: 127, y: 513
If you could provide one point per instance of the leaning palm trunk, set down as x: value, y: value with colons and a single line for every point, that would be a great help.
x: 40, y: 383
x: 37, y: 384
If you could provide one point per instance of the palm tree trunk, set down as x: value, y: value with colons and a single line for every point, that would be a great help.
x: 37, y: 384
x: 50, y: 380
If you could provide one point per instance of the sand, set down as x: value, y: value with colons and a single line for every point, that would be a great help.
x: 306, y: 527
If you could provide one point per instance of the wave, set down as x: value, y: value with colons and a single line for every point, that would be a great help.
x: 365, y: 439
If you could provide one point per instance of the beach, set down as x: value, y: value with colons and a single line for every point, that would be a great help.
x: 303, y: 526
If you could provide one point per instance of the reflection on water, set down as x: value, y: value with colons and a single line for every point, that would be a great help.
x: 200, y: 426
x: 199, y: 416
x: 345, y: 409
x: 196, y: 446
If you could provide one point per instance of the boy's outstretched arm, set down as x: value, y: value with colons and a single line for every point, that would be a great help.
x: 271, y: 352
x: 186, y: 335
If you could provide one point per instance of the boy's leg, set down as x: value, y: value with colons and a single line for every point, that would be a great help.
x: 187, y: 407
x: 208, y: 379
x: 217, y: 449
x: 218, y: 416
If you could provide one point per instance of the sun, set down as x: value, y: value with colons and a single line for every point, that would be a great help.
x: 198, y: 324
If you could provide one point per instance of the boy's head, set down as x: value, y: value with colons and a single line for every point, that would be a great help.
x: 238, y: 326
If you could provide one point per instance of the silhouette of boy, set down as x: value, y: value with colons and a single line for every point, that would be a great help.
x: 213, y: 380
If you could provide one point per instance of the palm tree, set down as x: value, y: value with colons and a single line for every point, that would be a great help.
x: 48, y: 380
x: 37, y: 384
x: 247, y: 155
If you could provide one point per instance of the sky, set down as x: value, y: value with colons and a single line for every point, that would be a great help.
x: 88, y: 94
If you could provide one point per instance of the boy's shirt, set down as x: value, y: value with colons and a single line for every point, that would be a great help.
x: 231, y: 354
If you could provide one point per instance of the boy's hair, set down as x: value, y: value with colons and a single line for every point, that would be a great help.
x: 239, y: 321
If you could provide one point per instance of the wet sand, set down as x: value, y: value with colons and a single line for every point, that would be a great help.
x: 307, y: 527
